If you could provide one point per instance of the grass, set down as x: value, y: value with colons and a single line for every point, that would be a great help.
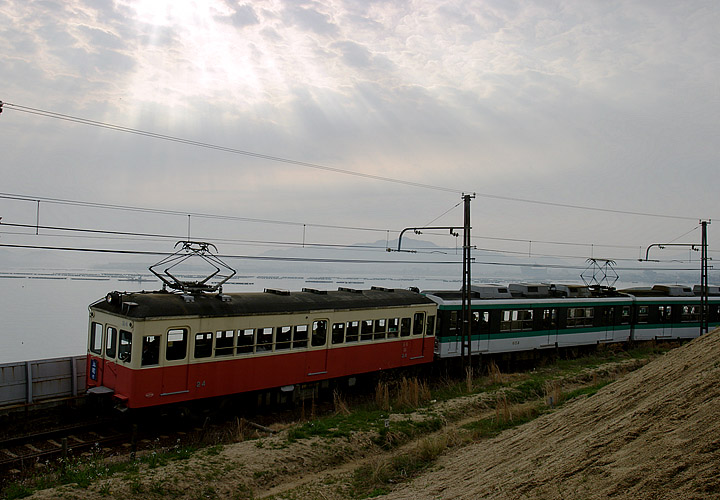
x: 401, y: 397
x: 88, y: 470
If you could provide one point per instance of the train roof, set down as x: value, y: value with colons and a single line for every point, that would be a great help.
x: 526, y: 291
x: 142, y: 305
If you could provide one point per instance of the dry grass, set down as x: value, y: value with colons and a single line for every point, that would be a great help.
x: 382, y: 396
x: 407, y: 393
x: 341, y: 406
x: 553, y: 393
x: 494, y: 373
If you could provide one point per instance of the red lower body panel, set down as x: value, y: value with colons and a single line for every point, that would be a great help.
x: 186, y: 382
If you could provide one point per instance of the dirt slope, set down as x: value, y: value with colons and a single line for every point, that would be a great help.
x: 655, y: 434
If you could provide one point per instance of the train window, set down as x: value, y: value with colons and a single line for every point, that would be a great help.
x: 203, y: 344
x: 125, y: 347
x: 176, y: 344
x: 642, y: 314
x: 625, y: 315
x: 283, y: 334
x: 393, y: 328
x: 516, y: 320
x: 405, y: 327
x: 353, y: 331
x: 419, y: 324
x: 319, y: 333
x: 475, y: 322
x: 665, y: 313
x: 549, y: 319
x: 338, y: 333
x: 580, y: 316
x: 380, y: 328
x: 111, y: 345
x: 96, y: 331
x: 224, y: 342
x: 431, y: 325
x: 264, y: 339
x: 300, y: 336
x: 690, y: 314
x: 453, y: 326
x: 151, y: 350
x: 246, y: 340
x: 366, y: 329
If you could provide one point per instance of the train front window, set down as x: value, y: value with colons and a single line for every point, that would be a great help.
x: 176, y: 344
x: 125, y: 347
x: 151, y: 350
x: 111, y: 345
x: 96, y: 333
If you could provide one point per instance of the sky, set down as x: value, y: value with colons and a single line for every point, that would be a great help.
x: 584, y: 128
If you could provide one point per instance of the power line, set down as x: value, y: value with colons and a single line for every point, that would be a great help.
x: 130, y: 208
x: 161, y: 211
x: 190, y: 142
x: 327, y: 260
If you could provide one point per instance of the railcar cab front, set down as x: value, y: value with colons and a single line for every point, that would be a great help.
x: 110, y: 348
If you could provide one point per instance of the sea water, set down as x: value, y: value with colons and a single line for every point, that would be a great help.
x: 45, y: 315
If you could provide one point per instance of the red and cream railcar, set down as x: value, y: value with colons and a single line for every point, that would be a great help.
x: 157, y: 348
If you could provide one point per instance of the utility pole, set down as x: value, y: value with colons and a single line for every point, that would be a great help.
x: 466, y: 313
x: 704, y: 302
x: 704, y: 290
x: 466, y: 293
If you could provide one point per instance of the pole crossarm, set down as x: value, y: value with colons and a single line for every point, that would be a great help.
x: 692, y: 246
x: 417, y: 231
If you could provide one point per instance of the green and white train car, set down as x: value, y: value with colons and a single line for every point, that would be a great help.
x: 526, y: 317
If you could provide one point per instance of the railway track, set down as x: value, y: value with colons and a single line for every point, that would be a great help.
x: 21, y: 452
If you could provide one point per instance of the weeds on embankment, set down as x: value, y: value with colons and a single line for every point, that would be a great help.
x: 406, y: 425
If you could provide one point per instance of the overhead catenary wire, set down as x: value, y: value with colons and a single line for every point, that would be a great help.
x: 80, y: 203
x: 137, y: 236
x: 190, y: 142
x: 324, y: 260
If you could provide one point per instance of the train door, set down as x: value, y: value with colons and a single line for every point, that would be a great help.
x: 665, y: 321
x: 550, y: 325
x: 417, y: 344
x: 96, y: 368
x: 481, y: 328
x: 609, y: 323
x: 175, y: 373
x: 109, y: 373
x: 454, y: 334
x: 317, y: 358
